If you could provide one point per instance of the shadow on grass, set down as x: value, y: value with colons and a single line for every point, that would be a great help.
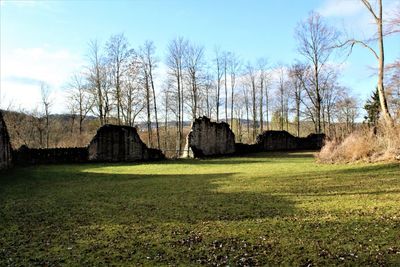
x: 87, y: 198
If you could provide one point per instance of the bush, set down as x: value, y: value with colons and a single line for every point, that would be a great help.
x: 364, y: 145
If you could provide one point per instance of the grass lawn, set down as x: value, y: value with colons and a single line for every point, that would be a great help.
x: 262, y: 209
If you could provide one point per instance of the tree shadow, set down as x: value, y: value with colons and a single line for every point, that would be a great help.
x: 87, y: 198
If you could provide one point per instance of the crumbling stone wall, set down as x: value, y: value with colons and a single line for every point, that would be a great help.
x: 213, y: 139
x: 114, y: 143
x: 282, y: 140
x: 209, y: 139
x: 28, y: 156
x: 5, y: 146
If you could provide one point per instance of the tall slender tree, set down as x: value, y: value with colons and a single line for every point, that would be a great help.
x: 118, y: 57
x: 175, y: 60
x: 194, y: 63
x: 316, y: 41
x: 262, y: 63
x: 149, y: 63
x: 218, y: 64
x: 234, y: 67
x: 379, y: 55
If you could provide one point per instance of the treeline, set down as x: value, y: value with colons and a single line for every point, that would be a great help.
x: 122, y: 84
x: 119, y: 82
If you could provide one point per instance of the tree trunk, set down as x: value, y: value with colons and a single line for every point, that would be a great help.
x: 261, y: 105
x: 381, y: 89
x: 155, y: 107
x: 226, y: 92
x: 232, y: 96
x: 166, y: 122
x: 149, y: 134
x: 253, y: 85
x: 318, y: 100
x: 298, y: 114
x: 267, y: 107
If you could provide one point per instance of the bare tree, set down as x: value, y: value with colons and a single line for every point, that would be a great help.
x: 97, y: 81
x: 262, y: 78
x: 225, y: 66
x: 194, y: 63
x: 296, y: 74
x: 315, y: 42
x: 282, y: 93
x: 379, y: 55
x: 118, y: 53
x: 234, y: 67
x: 149, y: 63
x: 251, y: 79
x: 79, y: 98
x: 208, y: 85
x: 175, y: 60
x: 347, y: 113
x: 330, y: 91
x: 46, y: 105
x: 166, y: 102
x: 218, y: 64
x: 239, y: 104
x: 132, y: 95
x: 247, y: 107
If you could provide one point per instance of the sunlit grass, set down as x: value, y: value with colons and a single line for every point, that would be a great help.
x: 261, y: 209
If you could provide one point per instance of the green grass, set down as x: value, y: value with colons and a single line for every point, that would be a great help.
x: 263, y: 209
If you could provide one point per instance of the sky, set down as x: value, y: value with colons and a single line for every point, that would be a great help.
x: 48, y: 40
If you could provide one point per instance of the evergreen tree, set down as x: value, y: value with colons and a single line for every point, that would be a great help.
x: 372, y: 106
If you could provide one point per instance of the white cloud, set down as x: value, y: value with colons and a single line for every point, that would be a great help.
x: 353, y: 17
x: 22, y: 71
x: 340, y: 8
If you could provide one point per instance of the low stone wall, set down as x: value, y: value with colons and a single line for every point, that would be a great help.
x: 282, y: 140
x: 209, y: 138
x: 28, y: 156
x: 5, y: 146
x: 113, y: 143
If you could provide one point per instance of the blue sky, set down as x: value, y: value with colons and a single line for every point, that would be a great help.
x: 47, y: 40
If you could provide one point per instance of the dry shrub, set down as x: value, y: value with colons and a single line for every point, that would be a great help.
x: 364, y: 145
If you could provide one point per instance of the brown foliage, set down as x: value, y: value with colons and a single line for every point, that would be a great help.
x: 364, y: 145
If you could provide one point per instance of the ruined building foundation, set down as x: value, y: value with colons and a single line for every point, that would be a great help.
x: 209, y: 138
x: 114, y: 143
x: 5, y: 146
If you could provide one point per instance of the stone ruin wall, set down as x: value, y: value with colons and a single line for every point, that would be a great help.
x: 282, y: 140
x: 114, y: 143
x: 212, y: 139
x: 5, y: 145
x: 30, y: 156
x: 209, y: 138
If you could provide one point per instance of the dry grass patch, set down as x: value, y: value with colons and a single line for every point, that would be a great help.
x: 364, y: 145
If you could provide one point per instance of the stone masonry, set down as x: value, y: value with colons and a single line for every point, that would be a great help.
x: 114, y: 143
x: 282, y: 140
x: 215, y: 139
x: 209, y: 139
x: 5, y: 146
